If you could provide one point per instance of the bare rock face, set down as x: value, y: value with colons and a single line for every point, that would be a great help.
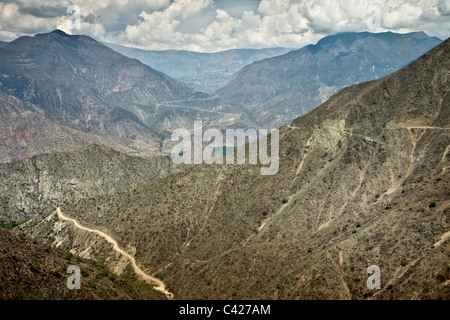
x: 68, y: 75
x: 74, y: 91
x: 35, y: 186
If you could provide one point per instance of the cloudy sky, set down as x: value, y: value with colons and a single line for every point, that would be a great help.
x: 214, y: 25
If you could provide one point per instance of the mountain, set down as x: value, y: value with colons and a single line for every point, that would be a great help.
x: 60, y: 92
x: 26, y: 131
x: 278, y: 89
x: 33, y: 186
x: 363, y: 180
x: 61, y: 73
x: 77, y: 84
x: 32, y: 271
x: 87, y: 93
x: 202, y: 71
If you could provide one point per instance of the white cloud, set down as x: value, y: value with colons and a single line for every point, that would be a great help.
x: 158, y: 24
x: 444, y: 7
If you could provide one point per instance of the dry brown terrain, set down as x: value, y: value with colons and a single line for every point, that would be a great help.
x: 363, y: 180
x: 30, y: 270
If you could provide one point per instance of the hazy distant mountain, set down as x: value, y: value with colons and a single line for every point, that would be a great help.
x: 202, y: 71
x: 76, y: 84
x: 278, y: 89
x: 363, y: 180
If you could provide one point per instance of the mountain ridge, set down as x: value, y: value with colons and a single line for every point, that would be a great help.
x: 203, y: 71
x: 94, y: 94
x: 363, y: 180
x: 278, y: 89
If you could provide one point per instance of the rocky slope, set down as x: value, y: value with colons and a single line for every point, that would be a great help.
x: 26, y: 131
x: 363, y: 180
x: 278, y: 89
x: 32, y: 271
x: 34, y: 186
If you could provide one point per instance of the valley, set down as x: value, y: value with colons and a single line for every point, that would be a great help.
x: 202, y: 71
x: 360, y: 183
x: 363, y: 179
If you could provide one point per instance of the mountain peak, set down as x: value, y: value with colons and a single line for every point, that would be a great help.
x: 56, y: 32
x: 60, y: 32
x: 281, y: 86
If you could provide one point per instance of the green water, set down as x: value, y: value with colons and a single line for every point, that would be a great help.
x: 223, y: 150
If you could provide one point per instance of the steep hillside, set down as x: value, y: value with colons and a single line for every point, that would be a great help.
x: 77, y: 91
x: 32, y: 271
x: 60, y: 73
x: 203, y: 71
x: 34, y: 186
x: 363, y: 180
x: 26, y: 131
x: 278, y: 89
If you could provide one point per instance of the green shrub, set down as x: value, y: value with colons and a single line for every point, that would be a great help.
x: 84, y: 272
x: 103, y: 273
x: 441, y: 277
x: 13, y: 224
x: 34, y: 269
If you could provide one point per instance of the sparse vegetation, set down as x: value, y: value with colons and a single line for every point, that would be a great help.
x: 12, y: 225
x: 200, y: 224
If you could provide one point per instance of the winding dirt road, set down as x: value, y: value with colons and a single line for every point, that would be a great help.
x: 158, y: 284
